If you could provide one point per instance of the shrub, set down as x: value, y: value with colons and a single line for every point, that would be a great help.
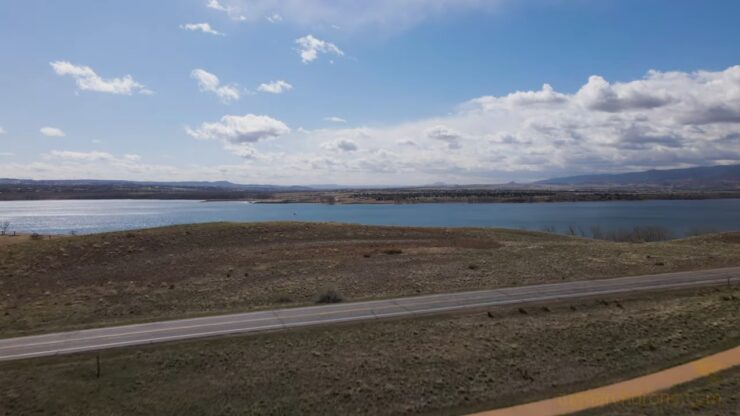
x: 330, y: 296
x: 36, y: 236
x: 393, y: 251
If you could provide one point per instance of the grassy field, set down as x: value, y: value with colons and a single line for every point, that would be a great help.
x: 214, y: 268
x: 436, y: 365
x: 718, y: 394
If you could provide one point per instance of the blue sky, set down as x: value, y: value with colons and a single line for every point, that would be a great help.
x: 426, y: 90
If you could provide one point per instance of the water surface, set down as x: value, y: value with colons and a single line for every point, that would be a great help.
x: 92, y: 216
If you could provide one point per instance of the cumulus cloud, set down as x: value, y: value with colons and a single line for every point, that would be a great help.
x: 52, y: 132
x: 2, y: 130
x: 309, y: 48
x: 663, y: 120
x: 335, y: 119
x: 87, y: 80
x: 446, y: 135
x: 275, y: 87
x: 208, y: 82
x: 238, y: 132
x: 598, y: 94
x: 201, y: 27
x: 274, y: 18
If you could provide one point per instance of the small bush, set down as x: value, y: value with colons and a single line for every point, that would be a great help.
x: 393, y: 251
x: 36, y: 236
x: 330, y: 296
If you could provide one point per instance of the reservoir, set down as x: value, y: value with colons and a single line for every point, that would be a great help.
x: 681, y: 217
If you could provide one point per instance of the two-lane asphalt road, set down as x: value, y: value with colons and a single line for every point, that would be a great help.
x: 281, y: 319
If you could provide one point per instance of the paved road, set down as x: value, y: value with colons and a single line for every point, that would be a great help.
x: 281, y: 319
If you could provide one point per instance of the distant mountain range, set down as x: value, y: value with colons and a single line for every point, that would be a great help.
x: 224, y: 185
x: 712, y: 176
x: 725, y: 176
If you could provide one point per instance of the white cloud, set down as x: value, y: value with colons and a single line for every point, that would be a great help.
x: 233, y: 11
x: 275, y: 87
x: 335, y: 119
x: 202, y: 27
x: 65, y: 156
x: 343, y: 145
x: 309, y: 48
x: 52, y: 132
x: 208, y: 82
x: 238, y: 132
x: 7, y: 154
x: 274, y: 18
x: 386, y: 15
x: 87, y: 80
x: 446, y: 135
x: 2, y: 130
x: 663, y: 120
x: 79, y: 156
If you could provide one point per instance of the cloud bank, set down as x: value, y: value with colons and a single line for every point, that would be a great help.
x: 662, y: 120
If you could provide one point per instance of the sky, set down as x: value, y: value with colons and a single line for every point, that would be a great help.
x: 355, y: 92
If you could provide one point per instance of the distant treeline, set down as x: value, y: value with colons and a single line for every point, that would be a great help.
x: 467, y: 195
x: 40, y: 192
x: 381, y: 196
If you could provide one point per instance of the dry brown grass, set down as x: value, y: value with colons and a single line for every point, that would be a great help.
x: 7, y: 240
x: 214, y: 268
x: 436, y: 365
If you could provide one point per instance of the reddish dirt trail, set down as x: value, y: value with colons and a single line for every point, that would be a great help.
x: 625, y: 390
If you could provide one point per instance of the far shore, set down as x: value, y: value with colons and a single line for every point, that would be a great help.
x: 382, y: 196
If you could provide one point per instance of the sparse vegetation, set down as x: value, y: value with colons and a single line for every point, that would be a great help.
x: 4, y: 226
x: 453, y: 364
x: 181, y: 271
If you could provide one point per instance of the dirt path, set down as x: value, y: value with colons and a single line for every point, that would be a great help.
x: 625, y: 390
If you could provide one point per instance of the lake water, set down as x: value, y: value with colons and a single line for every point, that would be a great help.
x: 83, y: 217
